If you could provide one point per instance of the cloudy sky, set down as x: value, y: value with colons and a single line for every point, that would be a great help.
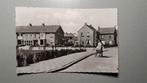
x: 71, y: 20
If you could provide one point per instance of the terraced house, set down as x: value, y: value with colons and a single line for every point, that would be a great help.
x: 39, y: 35
x: 108, y: 35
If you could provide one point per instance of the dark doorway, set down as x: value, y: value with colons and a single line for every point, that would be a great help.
x: 41, y: 42
x: 35, y: 42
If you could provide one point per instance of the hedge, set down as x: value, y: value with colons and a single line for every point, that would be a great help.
x: 26, y: 57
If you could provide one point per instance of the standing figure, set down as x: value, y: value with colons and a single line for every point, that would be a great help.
x: 99, y: 49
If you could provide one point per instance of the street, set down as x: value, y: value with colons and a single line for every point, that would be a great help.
x: 78, y: 63
x: 108, y: 63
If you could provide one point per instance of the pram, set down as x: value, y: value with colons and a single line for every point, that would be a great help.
x: 99, y: 52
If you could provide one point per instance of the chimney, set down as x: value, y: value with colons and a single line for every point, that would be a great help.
x: 30, y: 24
x: 85, y: 23
x: 43, y: 24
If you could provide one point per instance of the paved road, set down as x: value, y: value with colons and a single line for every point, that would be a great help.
x: 109, y: 63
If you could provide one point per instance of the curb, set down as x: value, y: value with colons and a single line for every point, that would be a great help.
x: 69, y: 64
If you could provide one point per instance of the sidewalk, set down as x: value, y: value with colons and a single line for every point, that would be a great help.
x: 55, y: 64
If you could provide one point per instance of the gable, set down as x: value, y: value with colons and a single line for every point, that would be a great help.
x: 60, y: 30
x: 85, y: 28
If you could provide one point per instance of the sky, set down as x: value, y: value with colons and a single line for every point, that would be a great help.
x: 71, y: 20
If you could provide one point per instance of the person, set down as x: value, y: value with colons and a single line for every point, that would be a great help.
x: 110, y: 43
x: 103, y: 42
x: 99, y: 49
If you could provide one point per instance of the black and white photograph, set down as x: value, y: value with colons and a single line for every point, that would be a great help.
x: 66, y: 40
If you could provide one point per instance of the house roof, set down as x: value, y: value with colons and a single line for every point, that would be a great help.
x: 46, y: 28
x: 107, y: 30
x: 89, y: 26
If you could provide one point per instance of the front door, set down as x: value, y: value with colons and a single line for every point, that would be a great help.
x: 88, y: 43
x: 41, y: 42
x: 35, y: 42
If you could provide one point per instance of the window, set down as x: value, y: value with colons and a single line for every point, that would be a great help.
x: 82, y: 42
x: 35, y: 42
x: 41, y: 42
x: 70, y: 37
x: 110, y: 37
x: 88, y: 34
x: 51, y: 43
x: 22, y: 42
x: 82, y: 35
x: 30, y: 42
x: 102, y: 36
x: 27, y: 43
x: 18, y: 42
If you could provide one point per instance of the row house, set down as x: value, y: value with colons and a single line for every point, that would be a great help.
x: 39, y: 35
x: 108, y: 35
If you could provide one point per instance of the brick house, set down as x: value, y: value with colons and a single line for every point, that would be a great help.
x: 87, y: 35
x: 43, y: 35
x: 108, y: 35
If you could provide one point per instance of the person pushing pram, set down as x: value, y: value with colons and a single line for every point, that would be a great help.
x: 99, y: 49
